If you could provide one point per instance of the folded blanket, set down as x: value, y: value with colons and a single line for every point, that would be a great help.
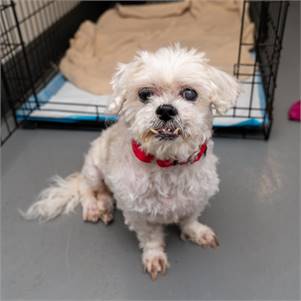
x: 212, y: 26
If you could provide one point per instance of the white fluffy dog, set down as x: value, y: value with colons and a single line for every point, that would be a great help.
x: 157, y: 161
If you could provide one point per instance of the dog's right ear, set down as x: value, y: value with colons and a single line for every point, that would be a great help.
x: 226, y: 89
x: 119, y: 92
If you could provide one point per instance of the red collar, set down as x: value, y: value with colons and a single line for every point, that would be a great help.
x: 147, y: 158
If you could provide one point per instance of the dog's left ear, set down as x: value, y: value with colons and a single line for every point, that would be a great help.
x: 118, y: 85
x: 225, y: 90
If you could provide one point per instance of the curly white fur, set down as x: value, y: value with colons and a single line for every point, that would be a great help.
x: 150, y: 196
x: 60, y: 197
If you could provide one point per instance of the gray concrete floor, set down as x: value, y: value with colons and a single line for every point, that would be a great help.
x: 256, y: 215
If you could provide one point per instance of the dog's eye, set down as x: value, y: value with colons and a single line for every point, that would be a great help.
x: 145, y: 93
x: 189, y: 94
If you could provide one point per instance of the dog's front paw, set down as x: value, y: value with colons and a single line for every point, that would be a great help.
x: 155, y: 262
x: 201, y: 235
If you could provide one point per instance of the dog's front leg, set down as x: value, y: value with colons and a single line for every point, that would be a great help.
x: 151, y: 241
x: 154, y: 258
x: 199, y: 233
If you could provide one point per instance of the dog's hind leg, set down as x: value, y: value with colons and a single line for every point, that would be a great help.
x: 97, y: 204
x: 96, y: 198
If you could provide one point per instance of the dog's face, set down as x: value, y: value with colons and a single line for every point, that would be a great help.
x: 166, y: 100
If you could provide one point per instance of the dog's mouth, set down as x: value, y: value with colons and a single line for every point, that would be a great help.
x: 166, y: 132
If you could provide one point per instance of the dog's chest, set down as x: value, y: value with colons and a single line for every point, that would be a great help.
x: 164, y: 193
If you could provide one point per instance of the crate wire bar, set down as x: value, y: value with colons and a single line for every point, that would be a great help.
x: 35, y: 35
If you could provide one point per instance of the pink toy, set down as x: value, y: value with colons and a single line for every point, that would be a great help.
x: 294, y: 111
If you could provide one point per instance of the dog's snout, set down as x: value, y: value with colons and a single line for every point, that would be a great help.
x: 166, y: 112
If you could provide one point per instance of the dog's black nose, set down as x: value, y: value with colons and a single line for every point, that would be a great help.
x: 166, y: 112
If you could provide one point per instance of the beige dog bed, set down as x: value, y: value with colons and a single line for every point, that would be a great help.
x: 208, y: 25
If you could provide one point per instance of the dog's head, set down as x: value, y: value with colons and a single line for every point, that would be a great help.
x: 166, y: 99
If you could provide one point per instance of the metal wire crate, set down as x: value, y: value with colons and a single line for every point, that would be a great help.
x: 270, y: 20
x: 30, y: 29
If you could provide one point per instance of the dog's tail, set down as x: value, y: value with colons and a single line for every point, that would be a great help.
x: 62, y: 197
